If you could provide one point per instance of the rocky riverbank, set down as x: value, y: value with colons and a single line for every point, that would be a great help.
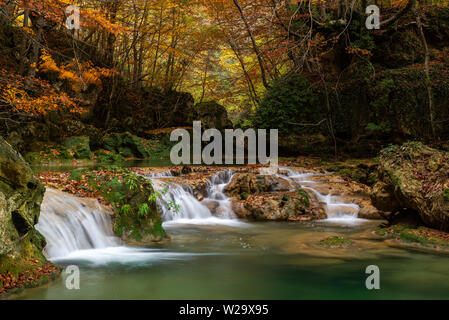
x: 22, y: 263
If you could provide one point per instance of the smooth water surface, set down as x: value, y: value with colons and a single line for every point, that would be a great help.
x: 253, y: 261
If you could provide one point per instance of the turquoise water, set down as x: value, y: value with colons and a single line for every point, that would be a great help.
x: 254, y: 261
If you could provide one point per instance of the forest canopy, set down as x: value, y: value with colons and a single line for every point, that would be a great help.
x: 309, y: 66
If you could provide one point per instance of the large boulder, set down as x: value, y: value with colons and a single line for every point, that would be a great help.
x: 127, y: 145
x: 21, y: 195
x: 270, y: 198
x: 292, y: 206
x: 213, y: 115
x: 243, y: 184
x: 414, y: 177
x: 79, y: 146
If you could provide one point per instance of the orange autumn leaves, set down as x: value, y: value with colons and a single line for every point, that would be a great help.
x: 32, y: 96
x: 79, y: 75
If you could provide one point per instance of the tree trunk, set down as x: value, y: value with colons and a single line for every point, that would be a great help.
x: 427, y: 71
x: 253, y: 41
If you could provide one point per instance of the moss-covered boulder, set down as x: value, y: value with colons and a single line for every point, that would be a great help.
x: 415, y: 177
x: 127, y: 145
x: 79, y: 145
x: 136, y: 218
x: 20, y: 199
x: 213, y: 115
x: 106, y: 156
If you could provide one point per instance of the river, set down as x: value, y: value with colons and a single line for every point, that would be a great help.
x: 222, y: 257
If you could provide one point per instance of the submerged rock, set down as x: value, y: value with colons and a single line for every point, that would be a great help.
x: 414, y: 177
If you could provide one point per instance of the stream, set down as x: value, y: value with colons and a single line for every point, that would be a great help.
x: 221, y: 257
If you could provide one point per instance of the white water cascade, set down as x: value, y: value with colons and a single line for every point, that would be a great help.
x: 78, y: 230
x: 69, y: 224
x: 336, y: 210
x: 179, y: 206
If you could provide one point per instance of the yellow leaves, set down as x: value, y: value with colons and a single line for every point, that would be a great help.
x: 364, y: 52
x: 40, y: 99
x: 79, y: 75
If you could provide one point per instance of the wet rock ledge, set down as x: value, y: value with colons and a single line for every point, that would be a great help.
x: 22, y: 263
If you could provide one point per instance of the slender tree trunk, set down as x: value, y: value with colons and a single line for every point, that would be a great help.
x: 38, y: 26
x: 24, y: 43
x: 427, y: 71
x: 253, y: 41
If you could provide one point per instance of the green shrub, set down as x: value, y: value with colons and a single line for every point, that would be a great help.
x: 289, y: 100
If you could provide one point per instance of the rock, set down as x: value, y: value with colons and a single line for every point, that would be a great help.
x: 269, y: 197
x: 383, y: 197
x: 79, y: 145
x: 369, y: 212
x: 213, y: 115
x: 127, y: 145
x: 248, y: 183
x: 15, y: 139
x: 414, y: 177
x: 20, y: 199
x: 212, y: 205
x: 277, y: 207
x: 365, y: 173
x: 138, y: 219
x: 186, y: 170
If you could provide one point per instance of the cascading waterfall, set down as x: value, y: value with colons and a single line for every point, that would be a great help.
x: 78, y: 230
x: 69, y: 225
x: 336, y: 210
x: 191, y: 211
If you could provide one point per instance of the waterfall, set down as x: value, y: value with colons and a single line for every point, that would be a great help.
x: 336, y: 210
x: 70, y: 224
x: 78, y: 231
x: 178, y: 205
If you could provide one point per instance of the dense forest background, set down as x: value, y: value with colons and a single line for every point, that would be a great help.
x: 310, y: 68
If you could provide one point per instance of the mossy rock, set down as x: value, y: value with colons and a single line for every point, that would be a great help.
x: 138, y: 217
x: 21, y: 195
x: 107, y: 156
x: 414, y: 176
x: 79, y: 145
x: 134, y: 201
x: 335, y: 241
x: 421, y: 236
x: 127, y: 145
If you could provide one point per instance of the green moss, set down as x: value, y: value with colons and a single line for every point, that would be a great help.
x: 422, y: 236
x: 335, y: 241
x: 446, y: 194
x: 304, y: 196
x: 79, y: 145
x: 244, y: 195
x: 107, y: 156
x: 133, y: 199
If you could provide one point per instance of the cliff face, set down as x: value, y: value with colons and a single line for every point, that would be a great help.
x: 21, y: 195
